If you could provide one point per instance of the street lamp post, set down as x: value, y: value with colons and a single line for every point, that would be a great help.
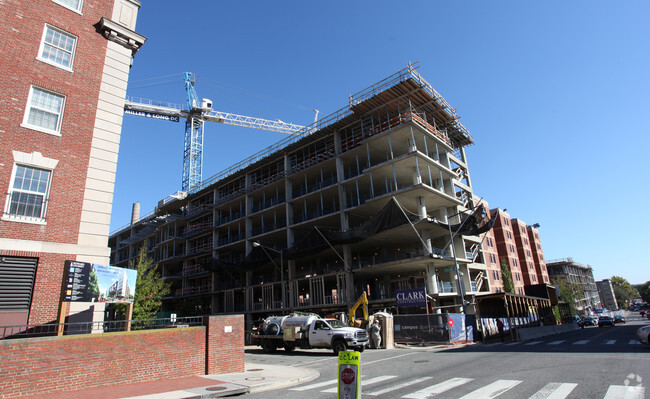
x: 281, y: 252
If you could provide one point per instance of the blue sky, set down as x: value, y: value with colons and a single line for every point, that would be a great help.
x: 555, y: 94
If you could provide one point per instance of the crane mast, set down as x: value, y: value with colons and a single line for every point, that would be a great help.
x: 196, y: 112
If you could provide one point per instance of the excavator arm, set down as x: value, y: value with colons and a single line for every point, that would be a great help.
x: 363, y: 300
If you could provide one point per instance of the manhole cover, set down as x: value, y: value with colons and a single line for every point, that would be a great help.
x: 255, y: 370
x: 254, y: 378
x: 215, y: 388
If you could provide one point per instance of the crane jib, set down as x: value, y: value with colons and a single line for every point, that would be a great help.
x: 153, y: 115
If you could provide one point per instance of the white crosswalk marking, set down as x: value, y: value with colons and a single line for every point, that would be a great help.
x: 364, y: 382
x: 492, y: 390
x: 556, y: 342
x: 313, y: 386
x: 581, y: 342
x: 634, y: 342
x: 533, y: 343
x: 610, y: 342
x: 438, y: 388
x: 554, y: 390
x: 512, y: 343
x: 396, y: 387
x: 624, y: 392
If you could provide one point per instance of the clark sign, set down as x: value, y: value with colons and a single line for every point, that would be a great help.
x: 414, y: 297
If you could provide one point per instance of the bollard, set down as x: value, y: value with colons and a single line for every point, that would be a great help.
x: 349, y: 375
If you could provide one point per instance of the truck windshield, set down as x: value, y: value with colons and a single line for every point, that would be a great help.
x: 335, y: 323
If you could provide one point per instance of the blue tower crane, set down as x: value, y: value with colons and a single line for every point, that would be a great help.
x: 196, y: 112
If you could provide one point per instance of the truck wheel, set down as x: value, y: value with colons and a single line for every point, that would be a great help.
x: 361, y: 349
x: 269, y: 347
x: 289, y: 347
x: 339, y: 345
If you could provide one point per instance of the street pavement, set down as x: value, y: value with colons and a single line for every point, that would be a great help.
x: 260, y: 377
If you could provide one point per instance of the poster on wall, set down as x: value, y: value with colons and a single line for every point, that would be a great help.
x: 90, y: 282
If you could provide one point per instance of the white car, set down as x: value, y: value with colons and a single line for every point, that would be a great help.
x: 643, y: 333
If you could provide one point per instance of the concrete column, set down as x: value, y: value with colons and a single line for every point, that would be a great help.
x: 426, y: 236
x: 422, y: 208
x: 432, y: 279
x: 417, y: 176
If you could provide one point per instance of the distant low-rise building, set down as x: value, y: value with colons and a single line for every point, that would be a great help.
x: 574, y: 272
x: 607, y: 295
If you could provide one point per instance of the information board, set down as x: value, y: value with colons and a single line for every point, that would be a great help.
x: 90, y: 282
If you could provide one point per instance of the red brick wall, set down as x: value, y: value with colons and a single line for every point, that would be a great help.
x: 56, y: 364
x: 21, y: 26
x: 225, y: 345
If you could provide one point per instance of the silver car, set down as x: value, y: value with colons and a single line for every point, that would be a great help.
x: 643, y: 333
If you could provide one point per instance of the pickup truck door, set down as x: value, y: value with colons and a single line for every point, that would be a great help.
x: 320, y: 334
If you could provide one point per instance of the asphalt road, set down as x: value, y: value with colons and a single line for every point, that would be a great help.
x: 606, y: 362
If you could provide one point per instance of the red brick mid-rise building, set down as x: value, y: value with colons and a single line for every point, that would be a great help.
x: 491, y: 255
x: 538, y: 254
x: 507, y: 248
x: 525, y: 252
x: 65, y: 67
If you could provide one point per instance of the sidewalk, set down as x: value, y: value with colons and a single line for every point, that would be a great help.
x: 256, y: 378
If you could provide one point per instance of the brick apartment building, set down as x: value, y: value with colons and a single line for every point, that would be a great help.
x: 538, y: 254
x: 491, y: 255
x: 62, y: 87
x: 507, y: 249
x: 529, y: 248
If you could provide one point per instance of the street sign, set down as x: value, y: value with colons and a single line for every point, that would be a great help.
x: 349, y: 375
x: 450, y: 322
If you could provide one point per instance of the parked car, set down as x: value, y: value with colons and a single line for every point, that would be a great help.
x: 643, y: 333
x: 605, y: 321
x: 571, y: 319
x: 618, y: 318
x: 589, y: 321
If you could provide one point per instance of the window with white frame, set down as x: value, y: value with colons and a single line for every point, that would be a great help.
x: 44, y: 111
x: 27, y: 198
x: 74, y: 5
x: 57, y: 47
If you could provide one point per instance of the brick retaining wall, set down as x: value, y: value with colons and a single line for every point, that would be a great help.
x: 55, y: 364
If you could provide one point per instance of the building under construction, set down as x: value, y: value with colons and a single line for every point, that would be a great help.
x: 374, y: 198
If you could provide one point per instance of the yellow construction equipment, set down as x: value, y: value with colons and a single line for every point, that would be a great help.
x: 363, y: 300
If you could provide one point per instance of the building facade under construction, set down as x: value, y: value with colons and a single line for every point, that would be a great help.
x: 374, y: 198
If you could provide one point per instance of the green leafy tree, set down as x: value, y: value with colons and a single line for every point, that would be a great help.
x: 149, y: 287
x: 623, y: 291
x: 508, y: 285
x: 644, y: 291
x: 569, y: 293
x: 93, y: 286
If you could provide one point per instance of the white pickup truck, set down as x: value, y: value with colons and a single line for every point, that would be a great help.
x: 309, y: 331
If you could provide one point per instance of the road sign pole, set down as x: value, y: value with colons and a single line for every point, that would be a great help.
x: 349, y: 375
